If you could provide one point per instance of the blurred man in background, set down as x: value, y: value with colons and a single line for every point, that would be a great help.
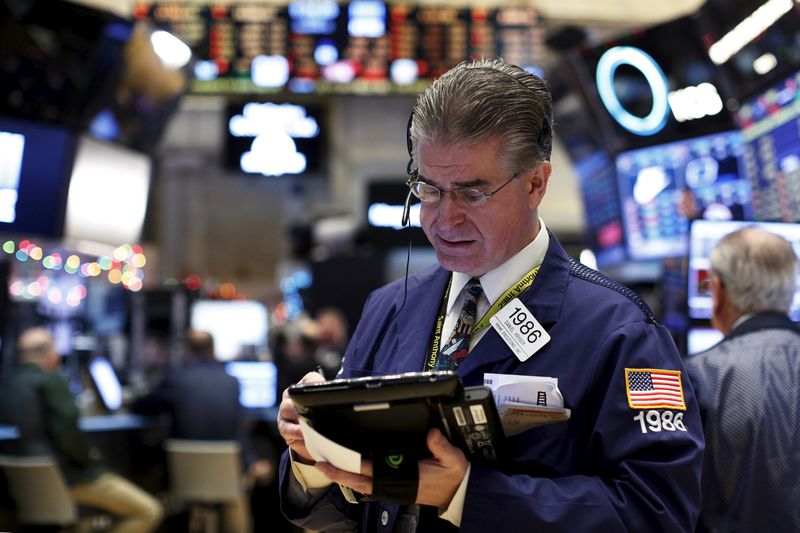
x: 331, y: 334
x: 747, y: 388
x: 37, y: 400
x: 203, y: 402
x: 202, y: 399
x: 294, y: 347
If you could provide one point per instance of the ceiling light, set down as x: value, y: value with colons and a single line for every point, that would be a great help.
x: 748, y: 29
x: 765, y: 63
x: 172, y: 52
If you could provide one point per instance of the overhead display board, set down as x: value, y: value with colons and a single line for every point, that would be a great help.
x: 321, y: 46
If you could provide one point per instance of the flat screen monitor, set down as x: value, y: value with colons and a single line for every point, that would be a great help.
x: 61, y: 61
x: 663, y: 187
x: 106, y: 383
x: 274, y: 139
x: 385, y: 202
x: 597, y: 178
x: 770, y: 124
x: 237, y: 326
x: 652, y: 86
x: 108, y: 194
x: 702, y: 238
x: 332, y: 47
x: 258, y: 383
x: 35, y: 159
x: 701, y: 339
x: 148, y: 93
x: 595, y: 170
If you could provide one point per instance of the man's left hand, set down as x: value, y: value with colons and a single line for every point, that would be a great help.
x: 439, y: 476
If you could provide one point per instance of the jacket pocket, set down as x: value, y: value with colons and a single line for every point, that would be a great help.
x: 545, y: 450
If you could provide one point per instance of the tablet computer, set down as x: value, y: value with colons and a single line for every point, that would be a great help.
x: 365, y: 390
x: 378, y: 414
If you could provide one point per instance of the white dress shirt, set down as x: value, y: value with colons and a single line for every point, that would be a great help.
x: 494, y: 283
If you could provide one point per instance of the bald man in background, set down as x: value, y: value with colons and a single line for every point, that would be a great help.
x: 747, y: 388
x: 37, y: 400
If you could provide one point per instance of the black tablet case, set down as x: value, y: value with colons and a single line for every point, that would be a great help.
x: 376, y: 414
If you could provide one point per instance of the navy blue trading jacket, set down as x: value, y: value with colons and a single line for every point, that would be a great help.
x: 603, y: 470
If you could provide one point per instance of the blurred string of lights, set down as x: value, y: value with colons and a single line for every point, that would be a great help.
x: 208, y: 287
x: 288, y: 309
x: 123, y: 267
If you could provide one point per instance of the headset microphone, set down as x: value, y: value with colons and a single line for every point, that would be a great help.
x: 409, y: 143
x: 410, y: 147
x: 405, y: 221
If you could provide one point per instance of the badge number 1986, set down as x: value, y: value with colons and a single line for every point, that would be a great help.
x: 520, y: 330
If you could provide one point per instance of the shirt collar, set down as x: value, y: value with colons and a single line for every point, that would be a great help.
x: 497, y: 281
x: 741, y: 320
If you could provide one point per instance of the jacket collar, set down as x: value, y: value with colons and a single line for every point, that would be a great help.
x: 760, y: 321
x: 413, y: 327
x: 544, y: 299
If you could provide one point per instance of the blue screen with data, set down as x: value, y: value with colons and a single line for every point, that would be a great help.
x: 662, y: 188
x: 770, y: 124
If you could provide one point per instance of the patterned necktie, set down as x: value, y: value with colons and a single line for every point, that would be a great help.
x: 455, y: 351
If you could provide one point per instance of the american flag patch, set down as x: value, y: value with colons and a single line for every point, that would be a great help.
x: 650, y: 388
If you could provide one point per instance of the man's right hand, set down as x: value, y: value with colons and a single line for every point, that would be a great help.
x: 289, y: 425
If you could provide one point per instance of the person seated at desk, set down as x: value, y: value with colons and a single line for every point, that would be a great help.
x: 203, y: 401
x: 37, y: 400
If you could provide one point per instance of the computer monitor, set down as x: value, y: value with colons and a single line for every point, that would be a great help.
x: 258, y: 382
x: 35, y: 159
x: 275, y: 139
x: 769, y: 123
x: 61, y: 61
x: 701, y: 339
x: 593, y: 163
x: 106, y: 383
x: 650, y: 86
x: 108, y: 193
x: 597, y: 180
x: 236, y: 325
x: 704, y: 234
x: 663, y: 187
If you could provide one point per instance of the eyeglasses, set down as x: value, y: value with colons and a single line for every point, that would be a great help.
x: 704, y: 285
x: 464, y: 196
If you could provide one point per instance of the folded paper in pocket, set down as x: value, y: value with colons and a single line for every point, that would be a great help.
x: 518, y: 417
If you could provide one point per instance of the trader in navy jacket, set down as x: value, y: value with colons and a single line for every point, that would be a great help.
x: 628, y: 459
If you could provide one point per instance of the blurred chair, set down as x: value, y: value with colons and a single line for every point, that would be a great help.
x: 39, y: 490
x: 206, y: 475
x: 43, y: 498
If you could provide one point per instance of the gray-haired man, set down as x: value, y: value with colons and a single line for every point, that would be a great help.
x: 747, y: 388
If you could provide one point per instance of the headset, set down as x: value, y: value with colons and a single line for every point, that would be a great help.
x: 545, y: 130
